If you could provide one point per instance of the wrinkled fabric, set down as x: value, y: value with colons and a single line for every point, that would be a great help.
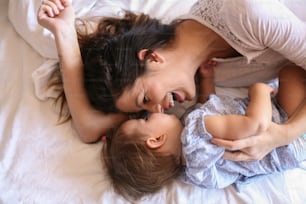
x: 205, y: 166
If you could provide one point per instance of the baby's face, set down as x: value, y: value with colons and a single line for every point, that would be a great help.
x: 156, y: 124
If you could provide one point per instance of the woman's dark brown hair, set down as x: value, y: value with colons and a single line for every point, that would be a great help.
x: 110, y: 59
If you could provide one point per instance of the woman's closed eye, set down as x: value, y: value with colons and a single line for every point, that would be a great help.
x: 145, y: 100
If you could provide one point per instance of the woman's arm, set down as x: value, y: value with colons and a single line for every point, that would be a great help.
x: 256, y: 119
x: 58, y: 17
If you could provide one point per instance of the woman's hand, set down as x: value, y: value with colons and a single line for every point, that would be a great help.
x: 56, y: 15
x: 254, y: 147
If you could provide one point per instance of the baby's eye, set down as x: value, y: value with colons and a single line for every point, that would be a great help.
x: 145, y: 100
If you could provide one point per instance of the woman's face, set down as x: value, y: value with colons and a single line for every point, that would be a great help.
x: 157, y: 89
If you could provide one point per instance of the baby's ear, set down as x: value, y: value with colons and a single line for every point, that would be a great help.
x: 156, y: 142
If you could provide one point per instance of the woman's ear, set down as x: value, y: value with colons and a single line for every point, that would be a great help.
x: 156, y: 142
x: 153, y: 56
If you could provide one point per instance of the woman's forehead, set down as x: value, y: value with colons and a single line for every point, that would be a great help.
x: 129, y: 99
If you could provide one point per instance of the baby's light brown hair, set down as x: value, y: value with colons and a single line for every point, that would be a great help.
x: 134, y: 169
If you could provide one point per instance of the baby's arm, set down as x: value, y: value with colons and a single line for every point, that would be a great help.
x: 257, y: 118
x: 259, y: 109
x: 58, y: 17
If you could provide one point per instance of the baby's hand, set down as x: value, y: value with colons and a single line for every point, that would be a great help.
x: 55, y: 14
x: 263, y: 88
x: 206, y: 70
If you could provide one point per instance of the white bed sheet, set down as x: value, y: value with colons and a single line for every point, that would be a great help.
x: 42, y: 162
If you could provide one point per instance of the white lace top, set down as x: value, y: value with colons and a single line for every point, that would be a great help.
x: 265, y: 32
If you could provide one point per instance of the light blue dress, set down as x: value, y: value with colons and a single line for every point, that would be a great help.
x: 205, y: 166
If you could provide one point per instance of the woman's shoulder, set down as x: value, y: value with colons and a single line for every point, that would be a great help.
x: 230, y: 19
x: 232, y: 10
x: 244, y: 8
x: 253, y: 9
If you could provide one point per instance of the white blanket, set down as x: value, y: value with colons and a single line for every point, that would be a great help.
x: 43, y: 162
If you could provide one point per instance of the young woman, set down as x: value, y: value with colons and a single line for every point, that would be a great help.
x: 250, y: 43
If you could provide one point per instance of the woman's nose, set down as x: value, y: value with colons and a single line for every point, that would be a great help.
x: 157, y: 108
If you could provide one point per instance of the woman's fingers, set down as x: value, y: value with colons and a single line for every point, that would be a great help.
x: 48, y: 10
x: 237, y: 156
x: 234, y: 145
x: 247, y: 154
x: 55, y: 15
x: 246, y: 149
x: 65, y: 3
x: 52, y: 7
x: 60, y: 4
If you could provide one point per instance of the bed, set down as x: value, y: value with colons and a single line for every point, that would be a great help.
x: 45, y: 162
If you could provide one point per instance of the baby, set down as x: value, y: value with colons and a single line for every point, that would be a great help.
x: 143, y: 155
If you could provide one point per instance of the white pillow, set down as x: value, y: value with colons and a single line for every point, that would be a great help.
x: 22, y: 15
x: 166, y: 10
